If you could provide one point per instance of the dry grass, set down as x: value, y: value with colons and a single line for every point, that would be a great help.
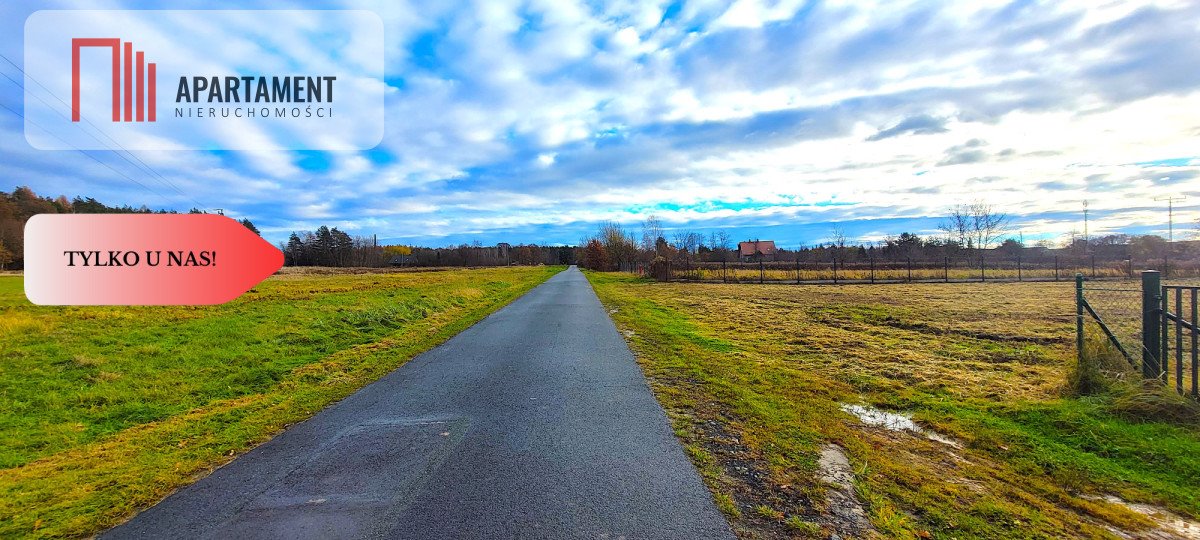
x: 330, y: 270
x: 753, y: 378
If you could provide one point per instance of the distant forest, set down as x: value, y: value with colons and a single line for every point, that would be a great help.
x: 17, y: 207
x: 331, y: 247
x: 325, y: 246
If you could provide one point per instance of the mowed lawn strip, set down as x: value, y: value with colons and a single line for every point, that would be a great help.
x: 753, y: 378
x: 105, y: 410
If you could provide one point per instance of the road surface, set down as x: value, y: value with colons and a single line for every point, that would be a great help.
x: 534, y: 423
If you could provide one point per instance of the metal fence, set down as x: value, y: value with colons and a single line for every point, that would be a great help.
x: 1153, y: 326
x: 872, y: 270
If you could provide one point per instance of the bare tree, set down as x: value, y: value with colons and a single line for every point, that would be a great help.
x: 723, y: 240
x: 957, y: 226
x: 837, y: 242
x: 720, y: 242
x: 619, y: 246
x: 652, y: 230
x: 687, y: 242
x: 975, y: 225
x: 987, y: 224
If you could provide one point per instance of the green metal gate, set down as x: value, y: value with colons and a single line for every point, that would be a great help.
x: 1154, y: 327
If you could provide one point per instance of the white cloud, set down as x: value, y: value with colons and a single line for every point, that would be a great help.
x: 552, y: 113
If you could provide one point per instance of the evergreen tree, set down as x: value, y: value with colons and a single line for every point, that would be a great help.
x: 250, y: 225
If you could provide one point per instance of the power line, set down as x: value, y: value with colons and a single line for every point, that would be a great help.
x: 143, y: 166
x: 146, y: 167
x: 51, y: 133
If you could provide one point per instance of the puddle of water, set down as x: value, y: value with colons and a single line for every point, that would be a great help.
x: 1167, y: 521
x: 895, y: 422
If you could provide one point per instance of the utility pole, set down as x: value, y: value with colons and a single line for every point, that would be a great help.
x: 1171, y: 199
x: 1085, y: 226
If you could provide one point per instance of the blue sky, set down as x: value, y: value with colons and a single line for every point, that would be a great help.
x: 534, y: 121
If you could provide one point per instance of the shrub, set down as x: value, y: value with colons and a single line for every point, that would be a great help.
x: 1104, y: 372
x: 1099, y: 367
x: 1152, y: 401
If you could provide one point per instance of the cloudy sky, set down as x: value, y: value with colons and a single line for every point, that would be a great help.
x: 534, y: 121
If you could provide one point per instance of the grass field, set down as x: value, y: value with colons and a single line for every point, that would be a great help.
x: 756, y: 380
x: 105, y: 410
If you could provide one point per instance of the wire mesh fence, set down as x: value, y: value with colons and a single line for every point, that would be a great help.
x: 1153, y: 324
x: 1117, y: 307
x: 872, y: 270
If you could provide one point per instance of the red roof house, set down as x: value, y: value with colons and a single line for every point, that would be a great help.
x: 754, y: 250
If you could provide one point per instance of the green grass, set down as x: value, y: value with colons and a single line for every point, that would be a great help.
x: 104, y: 410
x: 986, y: 364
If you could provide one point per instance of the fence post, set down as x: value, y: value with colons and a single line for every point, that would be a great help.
x: 982, y: 277
x: 1151, y: 323
x: 1195, y: 351
x: 1178, y: 341
x: 946, y: 270
x: 1019, y: 266
x: 1164, y: 359
x: 1056, y: 268
x: 723, y: 278
x: 1093, y: 265
x: 1079, y: 317
x: 760, y: 271
x: 910, y: 269
x: 835, y: 271
x: 1131, y: 267
x: 872, y: 268
x: 797, y: 268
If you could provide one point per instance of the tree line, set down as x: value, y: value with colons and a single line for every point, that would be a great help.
x: 324, y: 246
x: 22, y: 203
x: 327, y: 246
x: 971, y: 232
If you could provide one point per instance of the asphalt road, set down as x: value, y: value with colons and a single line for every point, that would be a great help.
x: 534, y: 423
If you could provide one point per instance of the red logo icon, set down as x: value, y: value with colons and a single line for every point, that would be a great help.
x: 144, y: 91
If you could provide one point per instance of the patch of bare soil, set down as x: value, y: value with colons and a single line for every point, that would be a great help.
x: 745, y: 476
x: 846, y: 515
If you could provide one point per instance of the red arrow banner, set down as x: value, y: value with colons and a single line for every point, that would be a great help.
x: 142, y: 259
